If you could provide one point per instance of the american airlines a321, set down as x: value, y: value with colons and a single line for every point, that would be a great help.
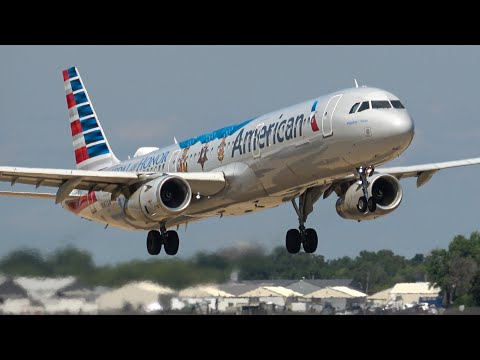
x: 336, y: 144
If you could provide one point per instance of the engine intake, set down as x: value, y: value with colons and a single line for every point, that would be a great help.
x: 159, y: 199
x: 384, y: 188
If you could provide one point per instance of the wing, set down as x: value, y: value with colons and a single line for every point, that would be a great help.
x: 423, y: 173
x: 66, y: 181
x: 34, y: 195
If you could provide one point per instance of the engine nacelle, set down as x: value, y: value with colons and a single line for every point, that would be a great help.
x: 385, y: 189
x: 160, y: 198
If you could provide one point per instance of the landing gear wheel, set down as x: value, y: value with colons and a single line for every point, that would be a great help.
x: 293, y: 241
x: 311, y: 241
x: 171, y: 243
x: 362, y: 204
x: 372, y: 205
x: 154, y: 242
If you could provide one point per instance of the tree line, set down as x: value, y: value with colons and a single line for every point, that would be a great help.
x: 455, y: 269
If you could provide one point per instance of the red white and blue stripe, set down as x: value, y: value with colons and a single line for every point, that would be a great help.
x: 313, y: 119
x: 92, y: 151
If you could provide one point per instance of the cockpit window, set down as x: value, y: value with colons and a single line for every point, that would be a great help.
x: 381, y: 104
x: 397, y: 104
x: 365, y: 105
x: 354, y: 108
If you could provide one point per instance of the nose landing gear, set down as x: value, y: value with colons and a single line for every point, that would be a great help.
x: 365, y: 203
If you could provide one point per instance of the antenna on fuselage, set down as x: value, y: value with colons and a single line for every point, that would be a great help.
x: 356, y: 84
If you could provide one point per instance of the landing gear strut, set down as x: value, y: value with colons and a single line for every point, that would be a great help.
x: 306, y: 237
x: 365, y: 202
x: 169, y: 240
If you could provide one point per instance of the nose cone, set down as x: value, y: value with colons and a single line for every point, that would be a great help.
x: 402, y: 129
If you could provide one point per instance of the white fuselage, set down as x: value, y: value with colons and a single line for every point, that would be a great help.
x: 269, y: 159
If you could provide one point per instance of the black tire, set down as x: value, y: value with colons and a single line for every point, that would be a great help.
x: 372, y: 205
x: 311, y: 241
x: 154, y: 244
x: 293, y: 241
x: 362, y: 204
x: 172, y: 243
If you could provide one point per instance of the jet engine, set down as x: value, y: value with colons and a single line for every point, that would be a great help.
x: 159, y: 199
x: 385, y: 190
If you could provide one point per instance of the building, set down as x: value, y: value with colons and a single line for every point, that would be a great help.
x: 201, y: 299
x: 40, y: 289
x: 271, y: 291
x: 78, y: 290
x: 323, y: 283
x: 238, y: 289
x: 9, y: 289
x: 273, y: 298
x: 380, y: 298
x: 136, y: 296
x: 415, y: 292
x: 340, y: 297
x: 69, y: 306
x: 203, y: 291
x: 303, y: 287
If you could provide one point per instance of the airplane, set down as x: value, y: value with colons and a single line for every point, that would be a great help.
x: 330, y: 144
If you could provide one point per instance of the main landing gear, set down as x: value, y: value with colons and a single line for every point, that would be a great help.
x: 365, y: 202
x: 169, y: 240
x: 306, y: 237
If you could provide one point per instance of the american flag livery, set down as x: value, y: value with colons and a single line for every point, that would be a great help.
x: 313, y: 119
x: 85, y: 200
x: 92, y: 151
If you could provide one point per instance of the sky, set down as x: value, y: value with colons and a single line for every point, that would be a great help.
x: 146, y: 95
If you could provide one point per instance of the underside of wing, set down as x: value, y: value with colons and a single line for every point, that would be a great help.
x: 34, y: 195
x: 424, y: 173
x: 66, y: 181
x: 88, y: 180
x: 204, y: 183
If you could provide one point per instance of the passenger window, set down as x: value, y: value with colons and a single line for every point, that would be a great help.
x: 354, y: 108
x: 381, y: 104
x: 365, y: 106
x: 397, y: 104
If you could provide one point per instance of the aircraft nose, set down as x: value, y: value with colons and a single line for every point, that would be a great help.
x: 403, y: 127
